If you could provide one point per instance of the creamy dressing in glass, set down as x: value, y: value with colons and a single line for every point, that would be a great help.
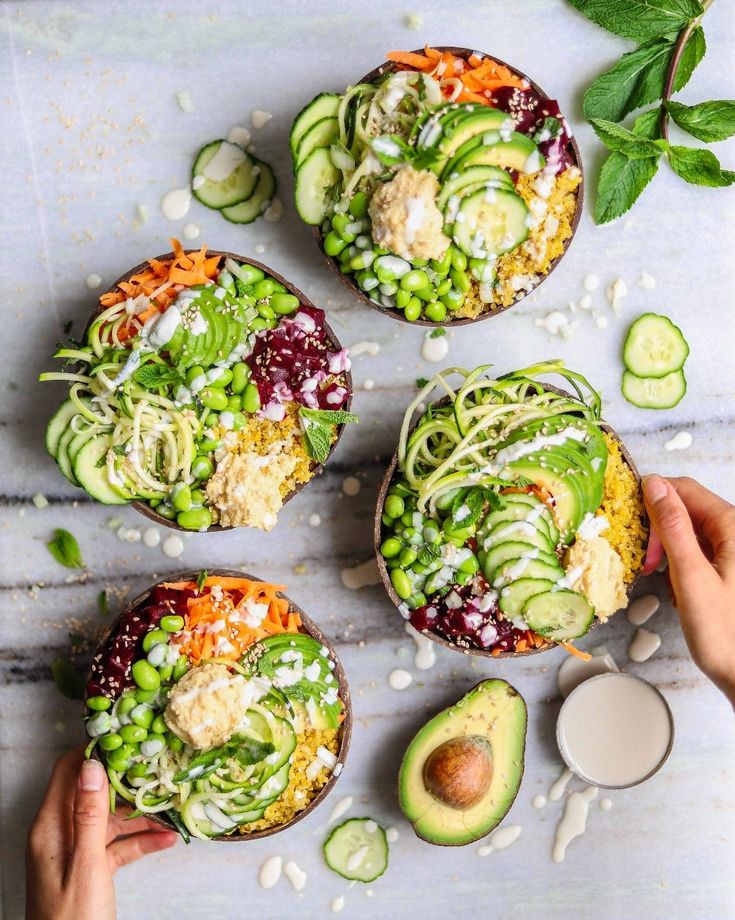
x: 615, y: 730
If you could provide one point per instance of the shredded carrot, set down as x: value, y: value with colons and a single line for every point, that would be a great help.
x: 521, y: 645
x: 479, y: 76
x: 575, y: 651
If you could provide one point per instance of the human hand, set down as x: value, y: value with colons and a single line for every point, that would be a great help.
x: 696, y: 530
x: 75, y: 845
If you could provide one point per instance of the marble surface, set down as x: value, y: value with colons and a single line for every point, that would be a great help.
x: 89, y: 130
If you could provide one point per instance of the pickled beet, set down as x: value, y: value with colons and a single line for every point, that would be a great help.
x: 529, y: 111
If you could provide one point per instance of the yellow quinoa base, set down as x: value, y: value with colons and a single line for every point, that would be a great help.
x: 287, y: 806
x: 535, y: 256
x: 622, y: 505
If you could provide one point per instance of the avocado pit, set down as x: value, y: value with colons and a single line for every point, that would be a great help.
x: 458, y: 773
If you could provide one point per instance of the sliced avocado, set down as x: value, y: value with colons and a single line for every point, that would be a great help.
x: 468, y: 127
x: 462, y: 771
x: 569, y: 499
x: 519, y: 153
x: 471, y: 179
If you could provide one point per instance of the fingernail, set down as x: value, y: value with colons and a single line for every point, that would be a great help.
x: 654, y: 489
x: 91, y: 776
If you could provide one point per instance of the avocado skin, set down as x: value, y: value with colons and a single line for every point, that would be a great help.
x: 494, y: 709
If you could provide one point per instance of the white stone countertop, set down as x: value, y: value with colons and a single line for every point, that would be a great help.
x: 90, y: 129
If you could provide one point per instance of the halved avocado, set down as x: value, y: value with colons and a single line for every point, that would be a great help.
x: 519, y: 153
x: 462, y: 771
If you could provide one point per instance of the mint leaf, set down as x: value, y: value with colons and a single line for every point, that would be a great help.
x: 201, y: 579
x: 437, y: 333
x: 428, y: 554
x: 251, y: 752
x: 639, y: 77
x: 708, y: 121
x: 65, y: 549
x: 619, y: 139
x: 102, y: 605
x: 648, y: 124
x: 69, y: 681
x: 621, y: 182
x: 467, y: 508
x: 421, y: 382
x: 153, y: 376
x: 331, y: 416
x: 550, y: 128
x: 390, y: 150
x: 318, y: 441
x: 640, y: 20
x: 698, y: 166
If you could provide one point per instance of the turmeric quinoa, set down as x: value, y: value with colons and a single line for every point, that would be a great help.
x: 622, y: 505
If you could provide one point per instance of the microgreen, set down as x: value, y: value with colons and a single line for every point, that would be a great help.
x: 65, y: 549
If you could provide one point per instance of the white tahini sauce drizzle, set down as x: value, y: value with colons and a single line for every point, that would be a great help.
x: 557, y: 789
x: 574, y: 821
x: 434, y: 350
x: 399, y: 679
x: 605, y: 804
x: 501, y: 839
x: 270, y: 872
x: 362, y: 575
x: 225, y: 161
x: 425, y: 656
x: 351, y: 486
x: 239, y: 135
x: 364, y: 347
x: 176, y: 203
x: 338, y: 904
x: 681, y: 441
x: 642, y: 609
x: 191, y: 231
x: 538, y: 801
x: 392, y: 834
x: 341, y: 808
x: 296, y: 875
x: 93, y: 281
x: 173, y: 546
x: 644, y: 644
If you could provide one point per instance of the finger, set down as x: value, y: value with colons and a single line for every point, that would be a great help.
x: 90, y: 815
x: 711, y: 514
x: 125, y: 850
x: 654, y: 554
x: 120, y: 826
x: 671, y: 522
x: 54, y: 816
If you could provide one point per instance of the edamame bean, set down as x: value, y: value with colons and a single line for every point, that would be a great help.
x: 207, y: 445
x: 181, y: 496
x: 387, y: 520
x: 460, y: 280
x: 367, y: 281
x: 258, y: 324
x: 340, y: 224
x: 431, y: 531
x: 166, y: 511
x: 443, y: 287
x: 463, y: 578
x: 363, y: 260
x: 174, y: 742
x: 394, y: 506
x: 263, y: 289
x: 408, y: 556
x: 358, y: 206
x: 195, y: 519
x: 143, y: 715
x: 459, y: 259
x: 157, y: 655
x: 99, y: 724
x: 119, y: 759
x: 152, y: 745
x: 436, y: 311
x: 363, y: 242
x: 180, y: 668
x: 420, y: 262
x: 202, y: 468
x: 98, y: 703
x: 453, y: 299
x: 138, y: 770
x: 442, y: 266
x: 284, y: 303
x: 220, y: 379
x: 165, y: 672
x: 133, y: 733
x: 197, y: 498
x: 111, y: 742
x: 389, y: 287
x: 401, y: 585
x: 234, y: 403
x: 414, y: 280
x: 334, y: 244
x: 412, y: 311
x: 426, y: 294
x: 266, y: 311
x: 407, y: 518
x: 402, y: 298
x: 213, y: 398
x: 471, y: 565
x: 159, y: 725
x: 144, y: 674
x: 240, y: 377
x: 251, y: 398
x: 126, y: 704
x: 195, y: 373
x: 249, y: 274
x: 417, y: 600
x: 144, y: 696
x: 391, y: 547
x: 171, y: 623
x: 154, y: 637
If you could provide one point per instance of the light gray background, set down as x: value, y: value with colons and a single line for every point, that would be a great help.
x: 90, y: 129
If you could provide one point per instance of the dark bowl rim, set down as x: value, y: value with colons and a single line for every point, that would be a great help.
x: 383, y: 569
x: 345, y: 729
x: 572, y: 147
x: 143, y: 507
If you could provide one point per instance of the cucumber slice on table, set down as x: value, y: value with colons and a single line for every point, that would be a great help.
x: 325, y: 105
x: 654, y: 347
x: 322, y: 134
x: 559, y: 615
x: 223, y: 175
x: 654, y: 392
x: 315, y: 179
x: 246, y: 211
x: 357, y: 850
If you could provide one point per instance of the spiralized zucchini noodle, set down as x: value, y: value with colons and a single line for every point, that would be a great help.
x: 456, y: 439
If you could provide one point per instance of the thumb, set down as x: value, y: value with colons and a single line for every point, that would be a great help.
x: 90, y: 815
x: 671, y: 522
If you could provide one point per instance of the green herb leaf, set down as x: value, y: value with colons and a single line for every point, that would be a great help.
x: 201, y: 579
x: 65, y: 549
x: 550, y: 128
x: 69, y: 681
x: 639, y: 77
x: 619, y: 139
x: 68, y: 326
x: 437, y: 333
x: 330, y: 416
x: 102, y: 604
x: 467, y: 508
x: 318, y: 440
x: 621, y: 182
x: 76, y: 640
x: 153, y: 376
x: 640, y: 20
x: 250, y: 751
x: 421, y: 382
x: 700, y: 167
x: 708, y: 121
x: 428, y: 554
x: 390, y: 150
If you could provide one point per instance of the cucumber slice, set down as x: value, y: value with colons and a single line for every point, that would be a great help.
x: 93, y: 478
x: 514, y: 596
x: 490, y: 222
x: 325, y: 105
x: 559, y: 615
x: 247, y: 211
x: 654, y: 392
x: 58, y: 424
x: 63, y: 458
x: 223, y: 175
x: 316, y: 177
x: 654, y: 347
x: 357, y: 850
x: 321, y: 134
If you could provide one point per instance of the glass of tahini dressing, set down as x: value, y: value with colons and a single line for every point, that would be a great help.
x: 615, y: 730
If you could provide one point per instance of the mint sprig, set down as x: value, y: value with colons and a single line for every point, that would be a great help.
x: 65, y: 549
x: 640, y: 20
x: 318, y: 426
x: 153, y: 376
